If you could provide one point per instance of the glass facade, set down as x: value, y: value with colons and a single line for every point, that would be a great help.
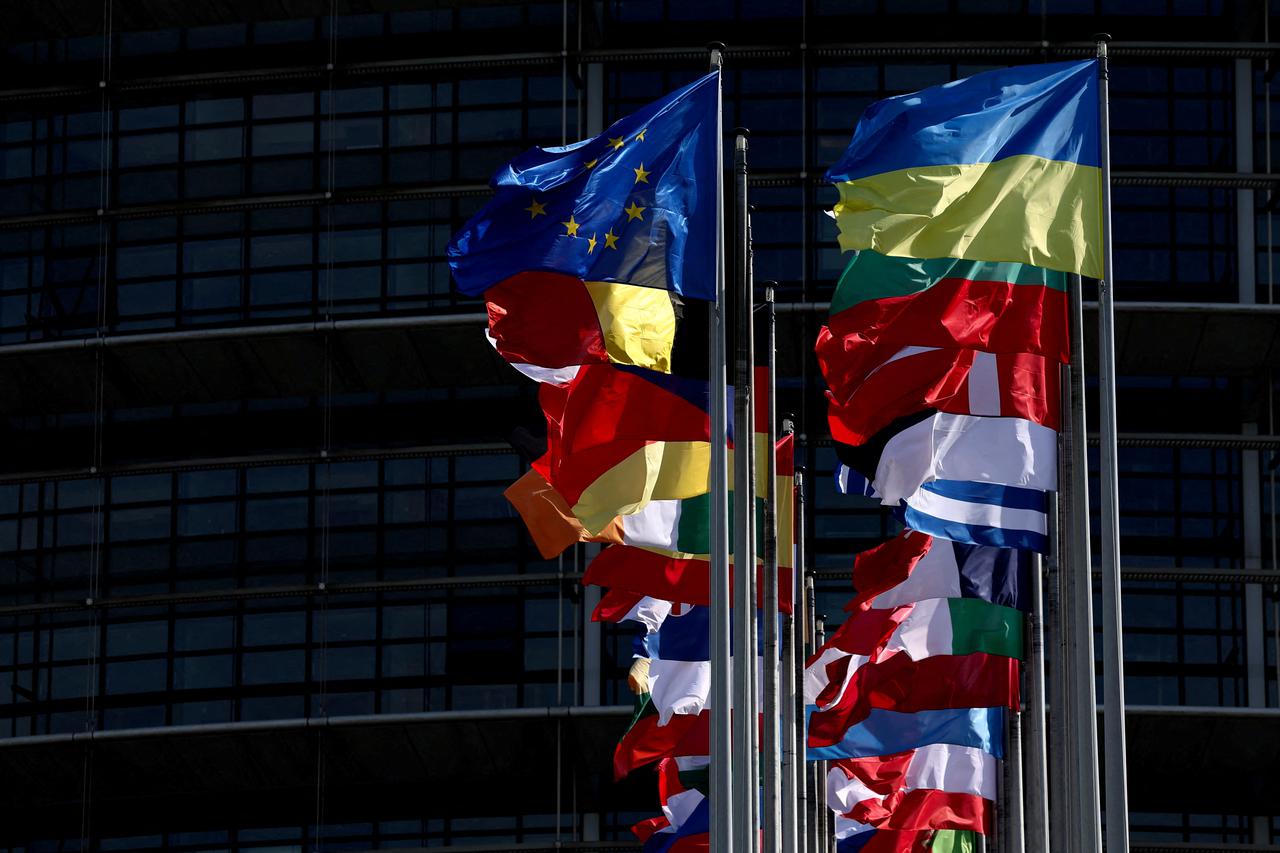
x: 335, y: 543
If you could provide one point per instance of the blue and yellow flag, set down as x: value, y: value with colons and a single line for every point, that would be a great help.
x: 1001, y: 166
x: 635, y: 205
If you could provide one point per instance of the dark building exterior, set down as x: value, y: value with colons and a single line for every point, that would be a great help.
x: 259, y: 589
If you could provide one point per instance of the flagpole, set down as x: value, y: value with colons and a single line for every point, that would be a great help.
x: 771, y: 749
x: 1015, y: 835
x: 1112, y: 638
x: 822, y: 814
x: 804, y: 647
x: 721, y: 744
x: 1037, y: 764
x: 793, y: 757
x: 745, y: 718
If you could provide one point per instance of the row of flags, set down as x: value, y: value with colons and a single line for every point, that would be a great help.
x: 968, y: 205
x: 597, y: 262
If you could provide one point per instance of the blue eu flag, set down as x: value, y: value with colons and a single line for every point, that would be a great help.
x: 635, y: 205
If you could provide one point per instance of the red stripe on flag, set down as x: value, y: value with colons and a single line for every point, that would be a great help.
x: 886, y: 565
x: 898, y: 683
x: 546, y: 319
x: 642, y: 572
x: 992, y: 316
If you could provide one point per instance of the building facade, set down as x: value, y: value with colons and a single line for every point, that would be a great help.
x: 259, y: 588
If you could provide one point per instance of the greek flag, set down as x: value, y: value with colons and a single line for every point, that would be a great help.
x: 977, y: 513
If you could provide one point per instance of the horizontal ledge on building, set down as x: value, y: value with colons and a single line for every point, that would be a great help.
x: 679, y: 55
x: 166, y: 599
x: 243, y: 203
x: 560, y: 712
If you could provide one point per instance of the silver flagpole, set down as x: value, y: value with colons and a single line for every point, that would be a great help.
x: 771, y: 749
x: 1112, y: 637
x: 822, y: 814
x: 721, y: 746
x: 745, y: 831
x: 1015, y: 837
x: 1033, y: 729
x: 804, y: 647
x: 792, y: 758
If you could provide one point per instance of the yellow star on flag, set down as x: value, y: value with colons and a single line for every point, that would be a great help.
x: 591, y: 244
x: 610, y: 239
x: 536, y: 209
x: 591, y: 164
x: 640, y: 135
x: 641, y: 174
x: 634, y: 211
x: 615, y: 142
x: 570, y: 227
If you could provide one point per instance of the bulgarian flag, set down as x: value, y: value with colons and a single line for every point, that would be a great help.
x: 882, y: 304
x: 938, y: 786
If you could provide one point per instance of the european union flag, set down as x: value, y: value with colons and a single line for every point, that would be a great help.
x: 635, y: 205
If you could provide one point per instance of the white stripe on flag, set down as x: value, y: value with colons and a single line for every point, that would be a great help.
x: 981, y: 514
x: 679, y: 807
x: 655, y: 526
x: 549, y: 375
x: 815, y: 674
x: 925, y: 632
x: 649, y: 612
x: 984, y: 385
x: 684, y: 687
x: 843, y: 793
x: 905, y: 352
x: 955, y: 769
x: 1006, y: 451
x: 935, y: 575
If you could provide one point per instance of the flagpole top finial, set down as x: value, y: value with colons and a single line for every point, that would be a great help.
x: 741, y: 131
x: 1102, y: 37
x: 715, y: 45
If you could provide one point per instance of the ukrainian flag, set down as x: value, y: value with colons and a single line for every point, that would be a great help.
x: 1002, y: 166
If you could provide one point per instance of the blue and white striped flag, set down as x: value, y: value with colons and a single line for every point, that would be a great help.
x: 977, y: 513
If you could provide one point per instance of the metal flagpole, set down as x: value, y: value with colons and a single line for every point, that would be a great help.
x: 771, y: 749
x: 804, y: 647
x: 745, y: 830
x: 1033, y: 730
x: 721, y: 744
x: 1112, y: 637
x: 1015, y: 836
x: 792, y: 757
x: 822, y: 814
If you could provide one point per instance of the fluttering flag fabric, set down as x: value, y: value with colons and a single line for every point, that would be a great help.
x: 632, y: 205
x: 913, y: 566
x: 919, y: 630
x: 882, y: 304
x: 931, y: 445
x: 641, y: 571
x: 551, y: 523
x: 974, y: 513
x: 899, y: 683
x: 618, y: 605
x: 937, y: 786
x: 619, y: 437
x: 646, y: 742
x: 684, y: 824
x: 854, y: 837
x: 886, y: 732
x: 1001, y: 166
x: 545, y: 322
x: 955, y: 381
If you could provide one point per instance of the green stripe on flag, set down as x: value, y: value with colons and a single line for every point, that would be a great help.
x: 697, y: 780
x: 980, y: 626
x: 871, y: 275
x: 952, y: 841
x: 693, y: 533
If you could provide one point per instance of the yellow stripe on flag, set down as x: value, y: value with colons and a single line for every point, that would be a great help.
x: 638, y: 323
x: 1022, y: 209
x: 662, y: 470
